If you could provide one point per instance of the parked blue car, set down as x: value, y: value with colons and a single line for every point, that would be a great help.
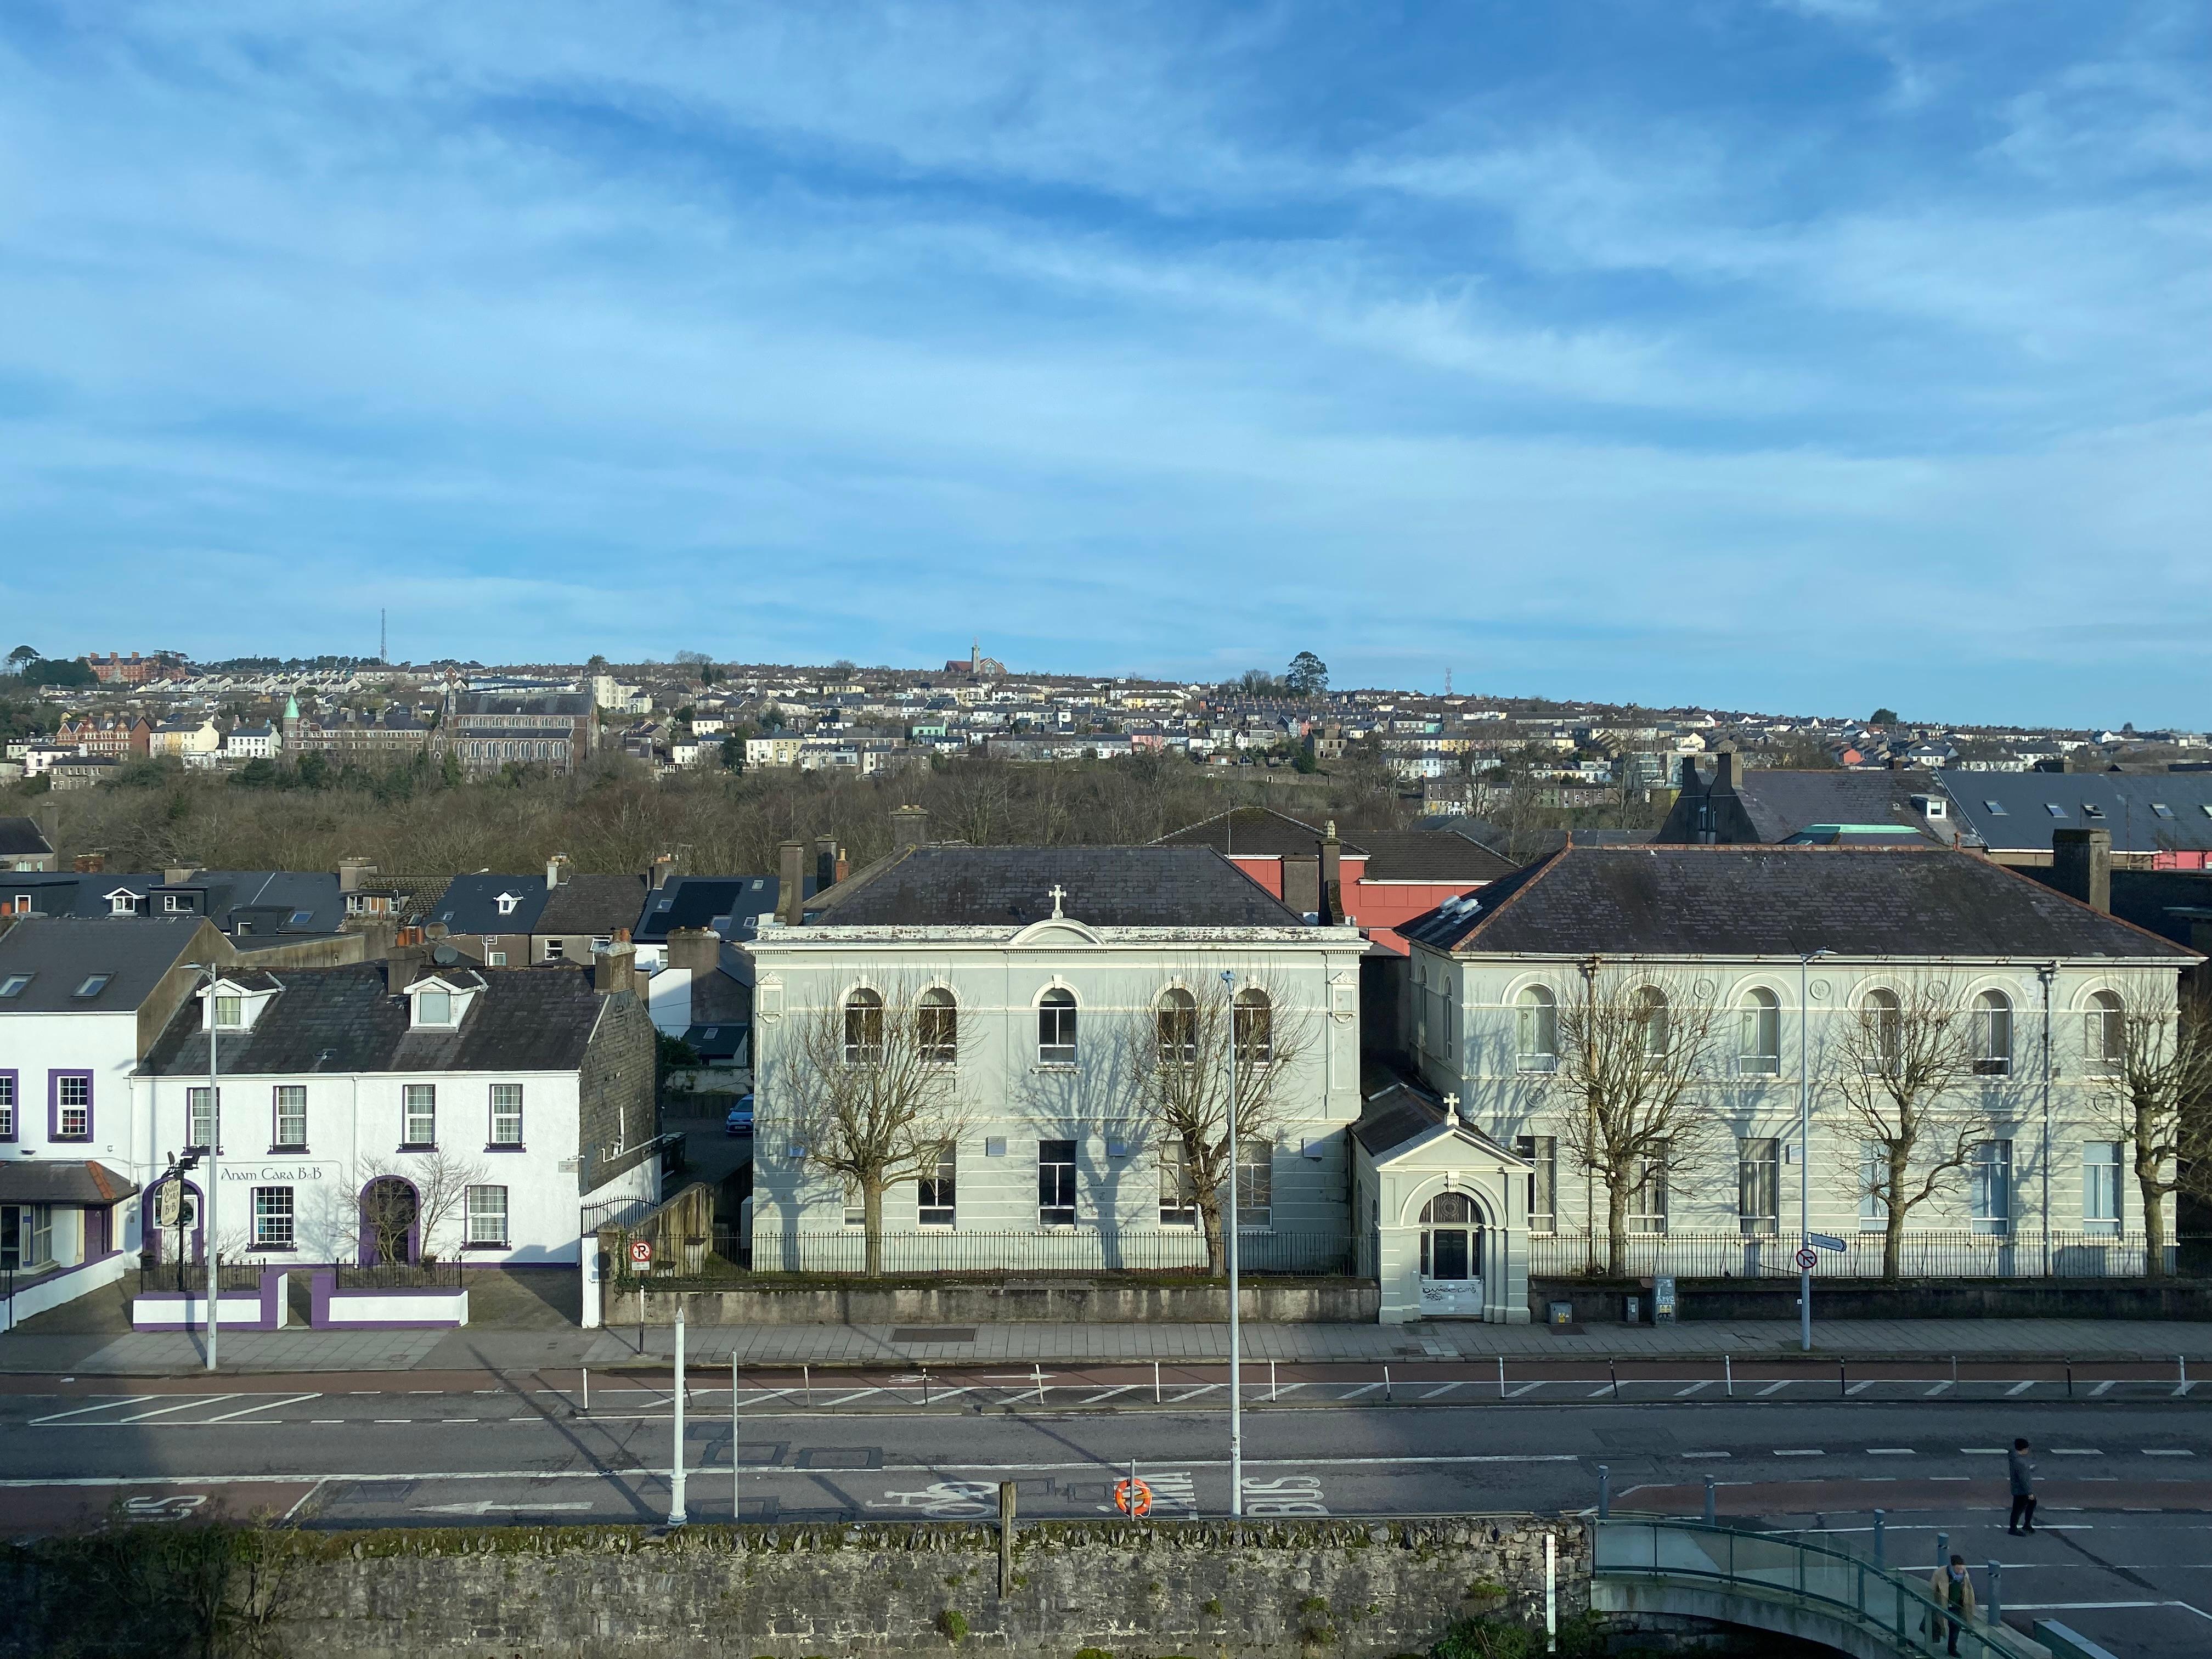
x: 740, y: 1120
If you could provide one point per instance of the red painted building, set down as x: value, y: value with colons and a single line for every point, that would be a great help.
x: 1388, y: 877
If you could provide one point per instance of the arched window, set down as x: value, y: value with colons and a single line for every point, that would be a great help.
x: 1882, y: 1017
x: 1537, y: 1029
x: 2106, y: 1041
x: 1451, y: 1239
x: 1255, y: 1028
x: 1758, y: 1053
x: 937, y: 1026
x: 1651, y: 1013
x: 1056, y: 1028
x: 863, y: 1028
x: 1993, y: 1035
x: 1178, y: 1027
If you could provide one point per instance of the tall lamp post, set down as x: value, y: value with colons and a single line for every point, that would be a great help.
x: 214, y: 1178
x: 1805, y: 1150
x: 1229, y: 1240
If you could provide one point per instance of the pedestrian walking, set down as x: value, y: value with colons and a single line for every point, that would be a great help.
x: 2023, y: 1489
x: 1954, y: 1590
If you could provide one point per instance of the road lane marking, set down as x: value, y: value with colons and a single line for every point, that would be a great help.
x: 1687, y: 1456
x: 1683, y: 1394
x: 1599, y: 1393
x: 1891, y: 1451
x: 1776, y: 1388
x: 2075, y: 1451
x: 2165, y: 1451
x: 140, y: 1416
x: 2099, y: 1389
x: 1800, y: 1454
x: 1514, y: 1395
x: 1443, y: 1389
x: 844, y: 1399
x: 1937, y: 1390
x: 1107, y: 1394
x: 104, y: 1406
x: 1203, y: 1388
x: 2018, y: 1388
x: 1983, y: 1451
x: 250, y: 1410
x: 1855, y: 1387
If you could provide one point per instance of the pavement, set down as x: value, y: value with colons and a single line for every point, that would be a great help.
x: 36, y: 1349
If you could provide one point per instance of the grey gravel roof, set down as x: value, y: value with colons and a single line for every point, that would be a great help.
x: 1777, y: 901
x: 1011, y: 887
x: 348, y: 1019
x: 61, y: 952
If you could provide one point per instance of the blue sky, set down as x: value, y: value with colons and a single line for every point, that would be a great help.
x: 1801, y: 355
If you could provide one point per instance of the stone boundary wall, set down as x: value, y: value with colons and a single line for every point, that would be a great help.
x: 1075, y: 1301
x: 1213, y: 1589
x: 1598, y: 1301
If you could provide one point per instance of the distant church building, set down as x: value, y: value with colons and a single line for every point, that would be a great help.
x: 977, y: 666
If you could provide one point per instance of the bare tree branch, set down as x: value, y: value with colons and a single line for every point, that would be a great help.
x: 2151, y: 1075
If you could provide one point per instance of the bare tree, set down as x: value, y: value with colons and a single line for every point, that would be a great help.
x: 441, y: 1181
x: 872, y: 1087
x: 1632, y: 1066
x: 1904, y: 1061
x: 2152, y: 1071
x: 1181, y: 1072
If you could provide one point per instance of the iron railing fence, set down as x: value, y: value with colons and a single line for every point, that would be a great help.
x: 1893, y: 1602
x: 1944, y: 1254
x: 189, y: 1278
x: 399, y: 1276
x: 1071, y: 1251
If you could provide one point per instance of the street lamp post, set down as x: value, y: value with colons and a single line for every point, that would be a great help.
x: 1805, y: 1153
x: 1229, y: 1242
x: 214, y: 1178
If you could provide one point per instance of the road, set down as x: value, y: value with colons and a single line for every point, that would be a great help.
x: 2125, y: 1550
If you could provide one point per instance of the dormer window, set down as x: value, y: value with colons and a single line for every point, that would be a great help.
x: 506, y: 902
x: 433, y: 1007
x: 122, y: 905
x: 174, y: 902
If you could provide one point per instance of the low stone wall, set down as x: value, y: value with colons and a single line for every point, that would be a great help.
x: 1602, y: 1302
x: 1361, y: 1589
x: 1069, y: 1301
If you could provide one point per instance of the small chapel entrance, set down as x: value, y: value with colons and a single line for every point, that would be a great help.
x: 1451, y: 1258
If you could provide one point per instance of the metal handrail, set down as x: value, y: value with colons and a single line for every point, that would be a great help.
x: 1891, y: 1601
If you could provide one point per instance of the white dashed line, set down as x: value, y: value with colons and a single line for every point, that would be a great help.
x: 2165, y: 1452
x: 2018, y: 1388
x: 2099, y: 1389
x: 2075, y: 1451
x: 1683, y: 1394
x: 1891, y: 1451
x: 1776, y: 1388
x: 1690, y: 1455
x: 1800, y: 1454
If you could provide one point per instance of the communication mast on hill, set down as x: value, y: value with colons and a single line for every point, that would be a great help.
x: 383, y: 641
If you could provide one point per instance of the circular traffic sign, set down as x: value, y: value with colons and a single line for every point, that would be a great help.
x: 1807, y: 1257
x: 641, y: 1252
x: 1133, y: 1498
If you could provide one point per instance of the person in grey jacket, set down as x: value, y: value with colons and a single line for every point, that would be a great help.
x: 2023, y: 1489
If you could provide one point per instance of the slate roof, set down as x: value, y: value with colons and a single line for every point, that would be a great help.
x: 702, y: 901
x: 62, y: 1181
x: 2126, y: 803
x: 472, y: 904
x: 1777, y: 901
x: 348, y: 1019
x: 1779, y: 803
x: 1255, y: 831
x: 255, y: 903
x: 2160, y: 900
x: 1011, y: 887
x: 592, y: 904
x: 61, y: 952
x: 1432, y: 855
x: 19, y: 838
x: 1395, y: 1110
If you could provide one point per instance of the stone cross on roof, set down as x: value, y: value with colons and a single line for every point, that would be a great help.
x: 1451, y: 1105
x: 1055, y: 895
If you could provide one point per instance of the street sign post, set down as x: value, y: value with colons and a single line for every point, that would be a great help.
x: 641, y: 1253
x: 1825, y: 1242
x: 1809, y: 1258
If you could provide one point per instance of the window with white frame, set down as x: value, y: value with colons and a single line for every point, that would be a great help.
x: 6, y: 1105
x: 1873, y: 1187
x: 73, y: 1105
x: 1543, y: 1153
x: 937, y: 1026
x: 433, y: 1007
x: 1882, y: 1018
x: 2105, y: 1035
x: 419, y: 1115
x: 1056, y: 1028
x: 291, y: 1117
x: 1990, y: 1184
x: 1254, y: 1021
x: 1758, y: 1042
x: 554, y: 950
x: 2101, y: 1188
x: 863, y: 1028
x: 1175, y: 1027
x: 273, y: 1218
x: 487, y: 1215
x: 200, y: 1118
x: 1178, y: 1191
x: 229, y: 1010
x: 1055, y: 1184
x: 1759, y: 1185
x: 1993, y: 1035
x: 1647, y: 1196
x: 935, y: 1203
x: 1255, y: 1182
x: 1536, y: 1029
x: 507, y: 1114
x: 494, y: 958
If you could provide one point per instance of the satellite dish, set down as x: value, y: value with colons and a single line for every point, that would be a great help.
x: 445, y: 956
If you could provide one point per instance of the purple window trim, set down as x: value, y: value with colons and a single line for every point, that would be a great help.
x: 15, y: 1104
x: 54, y: 1105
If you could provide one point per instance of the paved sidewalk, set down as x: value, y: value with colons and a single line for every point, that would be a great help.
x: 497, y: 1349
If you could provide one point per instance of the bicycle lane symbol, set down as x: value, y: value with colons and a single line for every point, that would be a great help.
x: 944, y: 1500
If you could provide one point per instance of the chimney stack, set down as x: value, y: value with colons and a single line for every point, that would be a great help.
x: 351, y: 872
x: 557, y: 871
x: 699, y: 949
x: 1332, y: 874
x: 910, y: 827
x: 791, y: 883
x: 615, y: 968
x: 2081, y: 865
x: 1724, y: 770
x: 1302, y: 883
x: 90, y: 863
x: 663, y: 867
x: 177, y: 875
x: 825, y: 862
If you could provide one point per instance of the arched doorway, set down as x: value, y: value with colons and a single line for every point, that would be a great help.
x: 1451, y: 1258
x: 163, y: 1241
x: 391, y: 1214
